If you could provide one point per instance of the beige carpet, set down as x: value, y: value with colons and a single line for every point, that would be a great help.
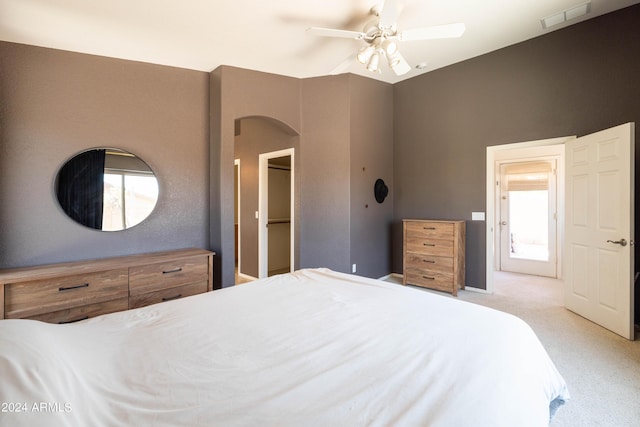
x: 601, y: 368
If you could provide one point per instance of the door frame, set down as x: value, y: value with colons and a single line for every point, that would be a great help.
x: 263, y: 209
x: 501, y: 152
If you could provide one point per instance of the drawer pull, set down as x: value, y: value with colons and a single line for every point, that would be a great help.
x: 164, y: 299
x: 428, y: 244
x: 64, y: 322
x: 429, y: 261
x: 428, y: 278
x: 429, y: 228
x: 175, y: 270
x: 68, y: 288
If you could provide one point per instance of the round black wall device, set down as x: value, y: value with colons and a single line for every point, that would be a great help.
x: 380, y: 190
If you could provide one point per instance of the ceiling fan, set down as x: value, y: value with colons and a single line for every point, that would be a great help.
x: 381, y: 35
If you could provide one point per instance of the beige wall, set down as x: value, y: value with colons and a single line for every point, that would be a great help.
x: 321, y: 111
x: 182, y: 123
x: 55, y: 104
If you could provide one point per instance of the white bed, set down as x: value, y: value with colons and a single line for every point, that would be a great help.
x: 311, y: 348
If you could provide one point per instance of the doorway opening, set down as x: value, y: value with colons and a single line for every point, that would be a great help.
x: 276, y: 213
x: 532, y: 153
x: 255, y: 136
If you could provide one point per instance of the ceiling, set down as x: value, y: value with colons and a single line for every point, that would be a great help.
x: 269, y: 35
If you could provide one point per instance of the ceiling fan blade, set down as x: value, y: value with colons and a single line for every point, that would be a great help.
x: 402, y: 67
x: 389, y: 14
x: 436, y: 32
x: 330, y: 32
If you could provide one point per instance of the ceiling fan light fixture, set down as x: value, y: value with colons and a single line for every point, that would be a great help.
x: 381, y: 36
x: 393, y: 59
x: 390, y: 47
x: 364, y: 55
x: 394, y: 62
x: 374, y: 62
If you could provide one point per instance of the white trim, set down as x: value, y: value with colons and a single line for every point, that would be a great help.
x: 236, y: 162
x: 474, y: 289
x: 493, y: 153
x: 263, y: 205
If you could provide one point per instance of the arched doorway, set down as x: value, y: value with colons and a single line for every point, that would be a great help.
x: 254, y: 137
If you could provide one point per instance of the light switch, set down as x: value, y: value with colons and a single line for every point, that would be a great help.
x: 477, y: 216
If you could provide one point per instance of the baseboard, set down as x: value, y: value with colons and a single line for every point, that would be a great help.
x: 247, y: 277
x: 474, y: 289
x: 389, y: 276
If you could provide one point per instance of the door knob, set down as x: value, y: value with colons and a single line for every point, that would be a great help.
x: 621, y: 242
x: 503, y: 223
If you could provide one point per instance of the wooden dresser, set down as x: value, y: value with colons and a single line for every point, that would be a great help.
x: 433, y: 254
x: 74, y: 291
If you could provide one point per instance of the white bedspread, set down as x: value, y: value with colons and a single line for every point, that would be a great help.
x: 312, y: 348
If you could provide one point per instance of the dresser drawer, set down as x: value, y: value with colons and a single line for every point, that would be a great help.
x: 84, y: 312
x: 167, y: 294
x: 155, y: 277
x: 427, y: 246
x: 31, y: 298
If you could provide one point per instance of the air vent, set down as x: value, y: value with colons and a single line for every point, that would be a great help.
x: 566, y: 15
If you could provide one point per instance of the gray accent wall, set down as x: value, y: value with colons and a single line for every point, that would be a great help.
x: 573, y: 81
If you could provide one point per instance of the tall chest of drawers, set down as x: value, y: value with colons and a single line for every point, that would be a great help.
x: 69, y: 292
x: 433, y: 254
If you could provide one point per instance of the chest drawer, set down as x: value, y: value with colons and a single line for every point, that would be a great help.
x: 155, y: 277
x: 427, y: 246
x: 31, y: 298
x: 426, y: 263
x: 169, y: 294
x: 430, y: 230
x: 431, y: 280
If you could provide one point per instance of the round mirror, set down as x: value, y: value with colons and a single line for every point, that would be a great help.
x: 106, y: 189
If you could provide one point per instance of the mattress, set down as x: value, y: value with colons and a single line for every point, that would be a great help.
x: 310, y: 348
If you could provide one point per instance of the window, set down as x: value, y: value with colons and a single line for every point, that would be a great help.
x: 129, y: 197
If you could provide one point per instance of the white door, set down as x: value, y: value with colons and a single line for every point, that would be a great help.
x: 599, y: 228
x: 528, y: 217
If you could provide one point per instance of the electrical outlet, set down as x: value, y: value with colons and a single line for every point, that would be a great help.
x: 353, y: 268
